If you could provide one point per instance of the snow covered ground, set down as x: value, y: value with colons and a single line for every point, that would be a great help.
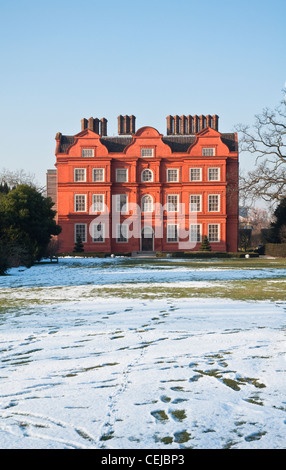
x: 85, y: 370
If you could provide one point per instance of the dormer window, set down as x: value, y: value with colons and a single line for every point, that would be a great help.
x: 87, y: 153
x: 147, y: 152
x: 208, y: 151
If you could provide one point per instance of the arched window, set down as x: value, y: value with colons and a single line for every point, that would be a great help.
x: 147, y: 203
x: 147, y: 175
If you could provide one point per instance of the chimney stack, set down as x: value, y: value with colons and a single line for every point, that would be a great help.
x: 215, y: 122
x: 83, y: 124
x: 126, y: 125
x: 95, y: 125
x: 187, y: 125
x: 208, y: 121
x: 195, y: 124
x: 176, y: 124
x: 170, y: 123
x: 132, y: 124
x: 183, y: 125
x: 103, y: 126
x: 202, y: 121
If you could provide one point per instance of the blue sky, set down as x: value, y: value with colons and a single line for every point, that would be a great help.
x: 65, y: 60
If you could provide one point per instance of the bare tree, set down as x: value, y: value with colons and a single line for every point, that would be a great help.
x: 13, y: 178
x: 266, y: 141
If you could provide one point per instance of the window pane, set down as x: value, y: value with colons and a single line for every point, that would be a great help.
x: 121, y: 175
x: 172, y: 175
x: 195, y: 174
x: 172, y: 203
x: 80, y: 203
x: 98, y: 202
x: 208, y: 152
x: 122, y: 233
x: 79, y: 174
x: 147, y: 152
x: 98, y: 174
x: 147, y: 203
x: 172, y: 233
x: 147, y: 175
x: 213, y: 174
x: 98, y: 233
x: 213, y: 232
x: 121, y: 203
x: 80, y: 231
x: 213, y: 203
x: 195, y: 233
x: 87, y: 153
x: 195, y: 203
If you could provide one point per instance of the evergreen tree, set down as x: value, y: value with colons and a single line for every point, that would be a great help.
x: 26, y: 224
x: 78, y: 248
x: 205, y: 245
x: 279, y: 226
x: 4, y: 188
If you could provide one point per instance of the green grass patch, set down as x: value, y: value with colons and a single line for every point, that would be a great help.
x: 249, y: 290
x: 216, y: 263
x: 246, y: 290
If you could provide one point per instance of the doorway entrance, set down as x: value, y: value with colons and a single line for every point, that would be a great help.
x: 147, y: 239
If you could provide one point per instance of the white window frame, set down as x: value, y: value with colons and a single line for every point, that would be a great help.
x: 218, y: 173
x: 168, y: 233
x: 149, y: 172
x: 85, y: 232
x: 192, y: 204
x: 75, y: 175
x: 87, y: 152
x: 190, y: 172
x: 77, y: 203
x: 217, y: 196
x: 169, y: 178
x: 208, y: 151
x: 117, y: 173
x: 94, y: 203
x: 118, y: 203
x: 148, y: 204
x: 119, y: 233
x: 193, y: 229
x: 95, y: 225
x: 93, y: 175
x: 170, y: 204
x: 218, y: 233
x: 148, y: 151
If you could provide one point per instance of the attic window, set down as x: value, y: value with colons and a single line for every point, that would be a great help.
x: 87, y: 153
x: 147, y: 152
x: 208, y: 152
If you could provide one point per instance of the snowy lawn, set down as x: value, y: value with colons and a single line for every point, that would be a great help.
x: 121, y: 354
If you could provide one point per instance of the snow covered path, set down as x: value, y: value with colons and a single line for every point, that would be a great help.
x: 94, y: 372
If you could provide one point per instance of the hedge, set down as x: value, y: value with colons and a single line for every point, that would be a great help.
x: 276, y: 249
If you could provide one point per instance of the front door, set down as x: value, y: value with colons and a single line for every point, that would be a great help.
x: 147, y: 239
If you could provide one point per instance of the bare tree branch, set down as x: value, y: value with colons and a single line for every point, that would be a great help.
x: 266, y: 141
x: 13, y: 178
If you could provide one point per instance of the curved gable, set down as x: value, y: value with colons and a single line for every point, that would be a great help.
x: 147, y: 137
x: 208, y: 138
x: 87, y: 139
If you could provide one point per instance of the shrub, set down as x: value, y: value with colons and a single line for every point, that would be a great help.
x: 205, y: 245
x: 78, y: 248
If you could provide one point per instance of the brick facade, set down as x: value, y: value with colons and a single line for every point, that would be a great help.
x: 145, y: 191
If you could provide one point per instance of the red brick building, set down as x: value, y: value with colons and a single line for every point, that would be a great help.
x: 143, y: 191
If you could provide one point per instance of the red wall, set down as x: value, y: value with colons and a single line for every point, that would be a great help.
x: 163, y: 158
